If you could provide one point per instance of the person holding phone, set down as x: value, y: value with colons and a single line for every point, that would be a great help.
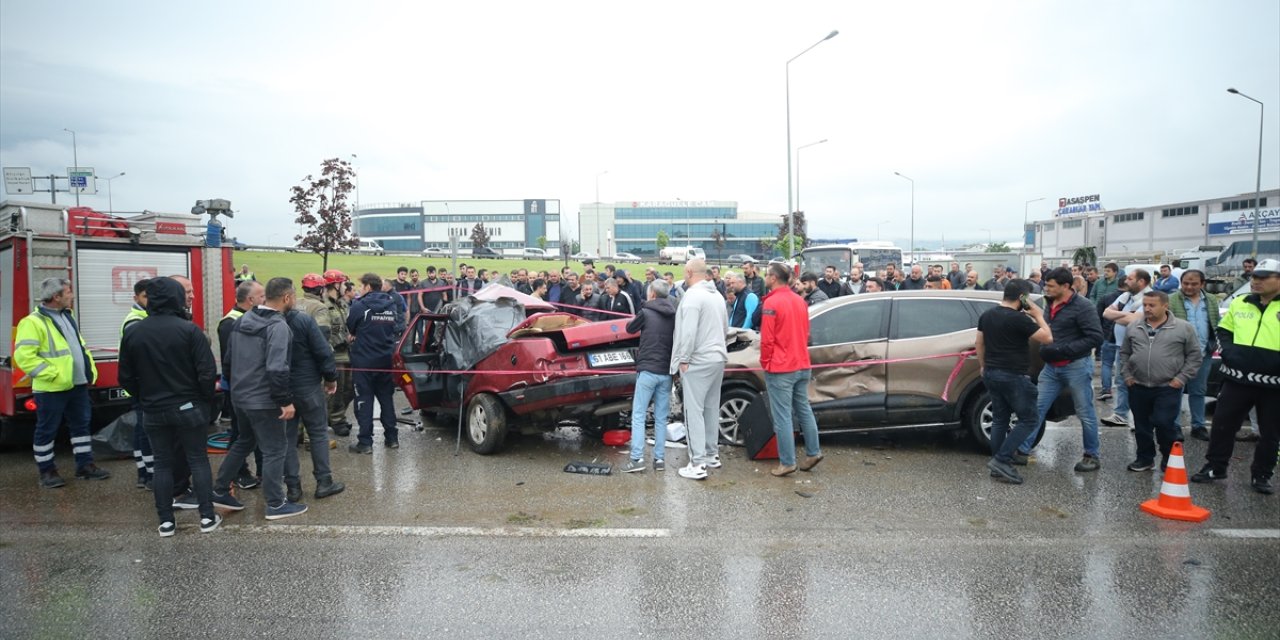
x: 1003, y: 334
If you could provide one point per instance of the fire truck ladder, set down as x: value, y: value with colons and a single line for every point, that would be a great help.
x: 50, y: 249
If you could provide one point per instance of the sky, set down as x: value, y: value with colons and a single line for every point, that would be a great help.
x: 986, y: 105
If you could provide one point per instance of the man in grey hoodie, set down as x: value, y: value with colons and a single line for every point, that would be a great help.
x: 698, y: 355
x: 259, y: 369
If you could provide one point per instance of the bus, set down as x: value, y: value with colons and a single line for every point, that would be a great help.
x: 874, y: 256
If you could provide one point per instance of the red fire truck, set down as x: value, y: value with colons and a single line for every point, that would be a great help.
x: 103, y: 256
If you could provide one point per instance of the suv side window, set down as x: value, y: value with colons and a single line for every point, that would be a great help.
x: 930, y: 317
x: 852, y: 322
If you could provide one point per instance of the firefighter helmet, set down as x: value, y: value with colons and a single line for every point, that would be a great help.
x: 313, y: 281
x: 333, y: 276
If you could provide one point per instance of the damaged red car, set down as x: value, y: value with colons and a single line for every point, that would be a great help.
x: 525, y: 368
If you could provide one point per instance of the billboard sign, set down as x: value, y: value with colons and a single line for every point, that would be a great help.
x: 17, y: 181
x: 1239, y: 222
x: 1078, y: 205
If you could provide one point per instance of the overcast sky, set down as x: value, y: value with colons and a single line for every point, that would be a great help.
x: 985, y: 105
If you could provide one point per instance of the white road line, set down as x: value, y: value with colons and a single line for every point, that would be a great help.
x: 442, y: 532
x: 1246, y: 533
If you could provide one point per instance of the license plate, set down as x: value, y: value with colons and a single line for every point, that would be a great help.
x: 117, y: 394
x: 610, y: 358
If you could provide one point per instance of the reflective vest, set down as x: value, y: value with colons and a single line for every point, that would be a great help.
x: 232, y: 315
x: 245, y: 277
x: 135, y: 314
x: 1252, y: 357
x: 40, y: 350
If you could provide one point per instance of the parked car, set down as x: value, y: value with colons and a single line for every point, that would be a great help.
x: 569, y: 368
x: 626, y: 257
x: 485, y: 252
x: 739, y: 258
x: 437, y: 251
x: 534, y: 253
x: 920, y: 391
x: 370, y: 247
x: 584, y: 255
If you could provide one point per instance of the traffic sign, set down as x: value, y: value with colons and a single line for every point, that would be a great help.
x: 82, y: 180
x: 17, y: 181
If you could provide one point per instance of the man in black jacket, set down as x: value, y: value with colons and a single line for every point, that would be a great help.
x: 312, y: 362
x: 587, y: 298
x: 656, y: 324
x: 615, y: 301
x: 1068, y: 363
x: 167, y: 364
x: 259, y: 365
x: 376, y: 325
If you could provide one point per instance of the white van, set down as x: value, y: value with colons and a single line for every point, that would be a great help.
x: 680, y: 255
x: 534, y: 253
x: 370, y: 247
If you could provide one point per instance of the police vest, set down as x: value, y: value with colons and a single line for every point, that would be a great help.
x: 40, y: 350
x: 135, y: 314
x: 1253, y: 356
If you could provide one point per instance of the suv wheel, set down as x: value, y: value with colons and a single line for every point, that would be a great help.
x: 486, y: 423
x: 733, y: 402
x: 979, y: 417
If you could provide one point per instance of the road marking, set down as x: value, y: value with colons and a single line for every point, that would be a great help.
x: 1247, y: 533
x: 432, y: 532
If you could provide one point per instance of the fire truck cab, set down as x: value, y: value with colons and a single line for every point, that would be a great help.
x: 102, y: 256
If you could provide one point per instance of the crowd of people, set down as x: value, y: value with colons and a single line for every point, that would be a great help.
x: 292, y: 364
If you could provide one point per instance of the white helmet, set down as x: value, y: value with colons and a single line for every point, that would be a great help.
x: 1268, y: 267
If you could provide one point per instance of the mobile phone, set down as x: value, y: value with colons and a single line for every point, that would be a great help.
x: 1024, y: 301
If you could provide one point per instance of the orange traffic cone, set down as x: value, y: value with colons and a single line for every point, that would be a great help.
x: 1174, y: 502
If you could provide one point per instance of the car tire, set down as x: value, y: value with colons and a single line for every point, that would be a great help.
x: 733, y: 402
x: 486, y: 424
x: 978, y: 417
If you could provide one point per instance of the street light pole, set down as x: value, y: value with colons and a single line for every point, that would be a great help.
x: 912, y: 248
x: 75, y: 160
x: 110, y: 206
x: 878, y: 224
x: 356, y: 180
x: 1257, y: 194
x: 798, y: 150
x: 791, y: 214
x: 598, y: 211
x: 1025, y: 208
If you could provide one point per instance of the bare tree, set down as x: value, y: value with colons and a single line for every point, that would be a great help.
x: 321, y: 205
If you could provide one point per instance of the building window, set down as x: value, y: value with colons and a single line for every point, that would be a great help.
x: 1072, y: 224
x: 1130, y: 217
x: 1236, y: 205
x: 1048, y: 226
x: 1175, y: 212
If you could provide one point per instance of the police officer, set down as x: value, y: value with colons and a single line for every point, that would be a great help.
x: 48, y: 347
x: 340, y: 339
x: 1249, y: 336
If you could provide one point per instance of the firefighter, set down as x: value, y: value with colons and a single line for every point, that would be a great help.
x: 313, y: 304
x: 1249, y: 338
x: 142, y: 454
x: 336, y: 303
x: 313, y: 379
x: 49, y: 348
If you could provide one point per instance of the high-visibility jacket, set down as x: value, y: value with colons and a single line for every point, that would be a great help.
x: 1249, y: 335
x: 135, y: 314
x: 42, y: 352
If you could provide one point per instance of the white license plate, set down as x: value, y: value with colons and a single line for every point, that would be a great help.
x: 610, y: 358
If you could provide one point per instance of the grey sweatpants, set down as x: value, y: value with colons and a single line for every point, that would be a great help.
x: 700, y: 392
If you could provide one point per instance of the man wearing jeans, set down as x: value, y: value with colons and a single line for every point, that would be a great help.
x: 656, y: 324
x: 259, y: 371
x: 1068, y: 364
x: 698, y: 354
x: 1159, y: 357
x: 1199, y: 308
x: 1003, y: 334
x: 784, y: 356
x: 166, y: 363
x: 1126, y: 310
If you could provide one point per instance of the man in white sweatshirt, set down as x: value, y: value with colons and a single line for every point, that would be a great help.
x: 698, y: 356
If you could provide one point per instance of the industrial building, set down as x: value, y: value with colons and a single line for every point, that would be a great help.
x: 412, y: 227
x: 632, y: 226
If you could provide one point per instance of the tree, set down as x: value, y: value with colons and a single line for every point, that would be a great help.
x: 1085, y: 255
x: 802, y: 234
x: 782, y: 246
x: 997, y: 247
x: 575, y: 247
x: 663, y: 239
x: 321, y: 205
x: 542, y: 242
x: 479, y: 235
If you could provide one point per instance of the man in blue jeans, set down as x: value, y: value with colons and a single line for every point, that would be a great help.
x: 1127, y: 309
x: 1068, y: 364
x: 1003, y: 335
x: 656, y: 324
x: 1199, y: 308
x: 784, y: 356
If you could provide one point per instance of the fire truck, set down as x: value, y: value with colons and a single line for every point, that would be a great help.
x: 103, y: 256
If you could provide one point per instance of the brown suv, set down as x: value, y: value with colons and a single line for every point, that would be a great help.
x: 912, y: 380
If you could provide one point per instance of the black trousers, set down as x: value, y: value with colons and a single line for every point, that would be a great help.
x: 1234, y: 402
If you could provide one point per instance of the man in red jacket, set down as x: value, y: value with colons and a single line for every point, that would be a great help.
x: 784, y: 356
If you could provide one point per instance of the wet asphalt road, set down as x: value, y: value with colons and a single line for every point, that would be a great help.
x: 901, y: 538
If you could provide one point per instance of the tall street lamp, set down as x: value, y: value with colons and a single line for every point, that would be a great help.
x: 798, y: 149
x: 75, y: 160
x: 601, y: 253
x: 878, y: 225
x: 1257, y: 195
x: 1025, y: 208
x: 110, y: 207
x: 355, y: 175
x: 912, y: 248
x: 791, y: 212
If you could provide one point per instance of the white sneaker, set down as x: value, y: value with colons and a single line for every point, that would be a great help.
x: 1114, y: 420
x: 715, y: 463
x: 693, y: 472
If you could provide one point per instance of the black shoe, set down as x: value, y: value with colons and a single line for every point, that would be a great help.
x: 1006, y: 472
x: 1200, y: 434
x: 393, y: 444
x: 1207, y: 474
x: 248, y: 481
x: 326, y: 487
x: 1141, y: 465
x: 342, y: 430
x: 293, y: 492
x: 186, y: 501
x: 356, y: 447
x: 51, y: 480
x: 1020, y: 458
x: 92, y: 472
x: 143, y: 483
x: 1262, y: 485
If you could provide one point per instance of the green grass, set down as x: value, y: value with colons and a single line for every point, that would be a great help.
x: 270, y: 264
